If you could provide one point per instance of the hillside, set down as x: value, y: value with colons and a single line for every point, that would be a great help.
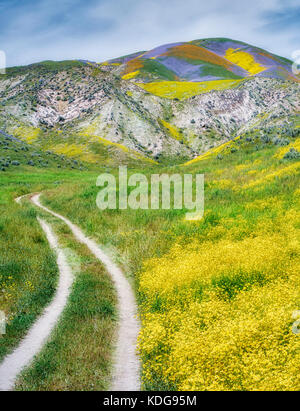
x: 201, y: 61
x: 217, y: 298
x: 176, y: 101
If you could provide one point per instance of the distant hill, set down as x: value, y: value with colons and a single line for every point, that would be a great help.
x: 210, y: 60
x: 174, y: 102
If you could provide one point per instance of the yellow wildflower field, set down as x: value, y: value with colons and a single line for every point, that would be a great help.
x: 244, y: 60
x: 223, y: 312
x: 217, y: 309
x: 185, y: 89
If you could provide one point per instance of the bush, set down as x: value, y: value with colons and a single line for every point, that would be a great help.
x: 281, y: 141
x: 265, y: 139
x: 292, y: 154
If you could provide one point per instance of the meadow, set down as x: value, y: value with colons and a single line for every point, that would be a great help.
x: 216, y: 296
x: 28, y: 277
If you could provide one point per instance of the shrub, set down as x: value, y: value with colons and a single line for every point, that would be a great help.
x: 293, y: 154
x: 281, y: 141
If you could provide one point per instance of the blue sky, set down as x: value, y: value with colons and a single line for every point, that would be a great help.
x: 35, y: 30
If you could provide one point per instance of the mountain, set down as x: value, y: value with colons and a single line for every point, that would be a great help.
x: 202, y: 61
x: 176, y: 101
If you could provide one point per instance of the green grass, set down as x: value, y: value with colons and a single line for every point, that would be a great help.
x: 79, y: 354
x: 139, y: 235
x: 134, y: 237
x: 155, y: 68
x: 44, y: 66
x: 28, y: 271
x: 63, y: 150
x: 66, y: 362
x: 15, y: 153
x: 209, y: 69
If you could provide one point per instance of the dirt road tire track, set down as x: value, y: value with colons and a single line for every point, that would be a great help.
x: 126, y: 375
x: 38, y: 334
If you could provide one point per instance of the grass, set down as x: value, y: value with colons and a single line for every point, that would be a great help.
x: 29, y: 274
x: 45, y: 66
x: 209, y: 69
x: 216, y: 296
x: 29, y: 134
x: 79, y: 354
x: 28, y: 271
x: 15, y: 154
x: 63, y: 150
x: 235, y: 271
x: 213, y: 152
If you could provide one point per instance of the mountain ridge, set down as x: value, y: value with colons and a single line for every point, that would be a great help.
x: 192, y: 61
x: 137, y: 104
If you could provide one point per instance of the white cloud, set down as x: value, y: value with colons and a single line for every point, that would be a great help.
x: 102, y: 29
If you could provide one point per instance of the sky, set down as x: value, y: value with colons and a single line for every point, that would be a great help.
x: 97, y: 30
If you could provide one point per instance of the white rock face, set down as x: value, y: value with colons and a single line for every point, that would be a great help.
x: 87, y: 101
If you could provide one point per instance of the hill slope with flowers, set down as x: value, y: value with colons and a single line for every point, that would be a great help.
x: 205, y: 60
x: 172, y: 103
x: 218, y: 296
